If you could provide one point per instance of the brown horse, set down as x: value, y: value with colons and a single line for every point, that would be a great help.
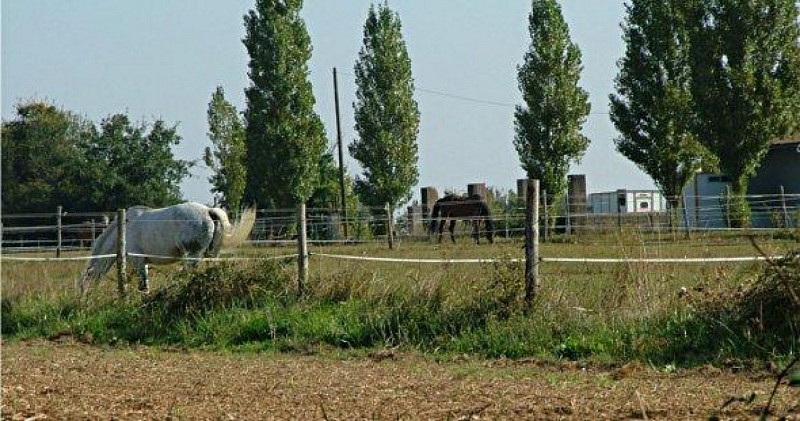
x: 469, y: 208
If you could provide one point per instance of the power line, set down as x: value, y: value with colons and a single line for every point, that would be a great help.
x: 466, y: 98
x: 472, y: 99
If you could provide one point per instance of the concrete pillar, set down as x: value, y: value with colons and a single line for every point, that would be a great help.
x: 522, y: 188
x: 576, y: 191
x: 429, y: 197
x: 477, y: 188
x: 414, y: 215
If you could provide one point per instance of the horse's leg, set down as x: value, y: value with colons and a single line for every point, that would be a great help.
x: 141, y: 268
x: 453, y: 229
x: 192, y: 260
x: 441, y: 229
x: 144, y: 279
x: 476, y: 232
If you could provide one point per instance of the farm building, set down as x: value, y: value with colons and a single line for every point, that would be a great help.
x: 704, y: 198
x: 775, y: 187
x: 627, y: 201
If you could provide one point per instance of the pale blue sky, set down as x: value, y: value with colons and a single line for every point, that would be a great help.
x: 164, y: 58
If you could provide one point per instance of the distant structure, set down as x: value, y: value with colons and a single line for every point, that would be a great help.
x: 773, y: 192
x: 627, y: 201
x: 576, y: 194
x: 477, y: 188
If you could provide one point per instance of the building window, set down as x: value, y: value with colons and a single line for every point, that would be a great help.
x: 644, y: 205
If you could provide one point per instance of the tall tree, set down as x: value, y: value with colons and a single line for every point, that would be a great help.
x: 136, y: 162
x: 52, y: 157
x: 745, y: 83
x: 285, y: 137
x: 652, y: 109
x: 227, y: 158
x: 548, y: 127
x: 42, y: 161
x: 386, y: 114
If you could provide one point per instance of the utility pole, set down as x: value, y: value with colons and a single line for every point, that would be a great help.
x: 341, y: 154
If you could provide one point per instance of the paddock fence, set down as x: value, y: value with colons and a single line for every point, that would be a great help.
x: 60, y: 231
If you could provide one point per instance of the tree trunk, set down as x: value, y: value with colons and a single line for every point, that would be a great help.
x: 738, y: 208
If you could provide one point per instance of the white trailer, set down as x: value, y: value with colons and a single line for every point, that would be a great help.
x: 627, y: 201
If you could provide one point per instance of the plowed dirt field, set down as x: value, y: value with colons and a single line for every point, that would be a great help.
x: 67, y: 380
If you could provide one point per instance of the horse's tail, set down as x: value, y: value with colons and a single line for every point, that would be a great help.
x: 236, y: 233
x: 434, y: 217
x: 97, y: 267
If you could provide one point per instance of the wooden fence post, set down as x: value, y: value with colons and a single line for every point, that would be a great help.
x: 59, y: 211
x: 121, y: 252
x: 302, y: 249
x: 531, y: 241
x: 389, y: 226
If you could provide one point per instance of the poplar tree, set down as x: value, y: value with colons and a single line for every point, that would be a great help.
x: 226, y: 157
x: 386, y: 114
x: 548, y: 126
x: 745, y: 83
x: 284, y: 136
x: 652, y: 109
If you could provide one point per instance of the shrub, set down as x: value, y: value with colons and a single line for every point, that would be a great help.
x: 217, y: 287
x: 759, y: 319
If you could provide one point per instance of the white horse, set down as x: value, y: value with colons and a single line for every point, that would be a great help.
x: 167, y: 235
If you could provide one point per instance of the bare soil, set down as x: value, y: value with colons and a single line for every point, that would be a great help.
x: 64, y: 379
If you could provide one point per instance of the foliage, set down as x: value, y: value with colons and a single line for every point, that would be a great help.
x: 285, y: 137
x: 652, y: 109
x: 386, y: 114
x: 227, y: 158
x: 745, y: 82
x: 548, y: 126
x: 327, y: 194
x: 136, y: 163
x: 42, y: 163
x: 52, y: 157
x: 762, y: 314
x: 327, y: 198
x: 194, y: 294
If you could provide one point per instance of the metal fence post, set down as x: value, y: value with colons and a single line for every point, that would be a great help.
x: 786, y: 222
x: 546, y: 217
x: 302, y: 249
x: 59, y: 210
x: 121, y: 252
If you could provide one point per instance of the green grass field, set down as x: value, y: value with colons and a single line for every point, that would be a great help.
x: 606, y: 311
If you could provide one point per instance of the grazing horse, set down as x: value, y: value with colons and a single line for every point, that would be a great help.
x: 167, y: 235
x: 470, y: 208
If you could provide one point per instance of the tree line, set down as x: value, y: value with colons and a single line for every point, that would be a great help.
x: 702, y: 84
